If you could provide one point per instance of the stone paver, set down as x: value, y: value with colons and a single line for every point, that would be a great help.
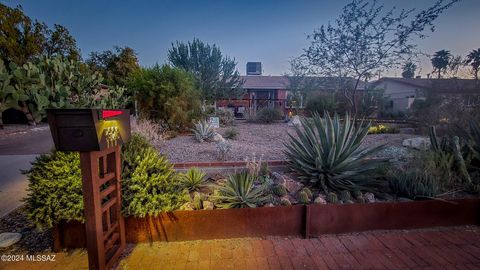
x: 442, y: 248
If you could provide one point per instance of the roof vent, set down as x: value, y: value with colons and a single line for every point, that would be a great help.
x: 254, y: 68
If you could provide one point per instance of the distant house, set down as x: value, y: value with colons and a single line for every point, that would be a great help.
x: 400, y: 93
x: 273, y: 91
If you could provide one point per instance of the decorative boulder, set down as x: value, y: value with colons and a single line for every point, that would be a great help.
x: 417, y: 143
x: 218, y: 138
x: 320, y: 200
x: 188, y: 206
x: 295, y: 121
x: 207, y: 205
x: 8, y: 239
x: 369, y: 197
x: 291, y: 185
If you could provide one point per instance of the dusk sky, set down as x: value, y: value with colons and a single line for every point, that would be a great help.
x: 270, y: 31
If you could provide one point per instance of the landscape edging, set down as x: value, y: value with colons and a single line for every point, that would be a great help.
x: 297, y: 220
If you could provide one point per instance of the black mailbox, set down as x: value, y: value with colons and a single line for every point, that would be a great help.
x: 87, y: 130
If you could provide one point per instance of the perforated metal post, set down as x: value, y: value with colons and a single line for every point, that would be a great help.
x: 105, y: 229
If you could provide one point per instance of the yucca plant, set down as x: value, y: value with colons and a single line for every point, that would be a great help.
x: 203, y: 131
x: 193, y: 179
x: 413, y: 184
x: 239, y: 191
x: 326, y: 152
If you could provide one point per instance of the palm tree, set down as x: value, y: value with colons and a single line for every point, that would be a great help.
x: 473, y: 59
x: 440, y: 61
x: 409, y: 70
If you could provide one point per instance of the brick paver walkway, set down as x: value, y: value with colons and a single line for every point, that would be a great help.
x: 444, y: 248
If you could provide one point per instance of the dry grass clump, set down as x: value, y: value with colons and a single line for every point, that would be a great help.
x: 153, y: 131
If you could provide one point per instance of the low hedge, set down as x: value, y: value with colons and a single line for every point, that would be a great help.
x: 149, y: 184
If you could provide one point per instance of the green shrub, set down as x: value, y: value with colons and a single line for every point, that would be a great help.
x: 239, y: 192
x: 413, y: 184
x: 135, y: 147
x: 55, y: 189
x: 55, y: 184
x: 167, y: 94
x: 193, y: 179
x: 203, y: 131
x: 231, y: 133
x: 326, y: 152
x: 268, y: 115
x: 320, y: 104
x: 152, y: 188
x: 225, y: 116
x: 223, y: 149
x: 381, y: 129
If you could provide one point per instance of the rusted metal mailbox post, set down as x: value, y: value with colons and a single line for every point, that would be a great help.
x: 97, y: 134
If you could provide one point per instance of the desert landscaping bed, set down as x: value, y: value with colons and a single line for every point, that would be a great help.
x: 264, y: 140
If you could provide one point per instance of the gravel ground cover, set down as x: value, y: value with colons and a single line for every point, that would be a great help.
x: 265, y: 140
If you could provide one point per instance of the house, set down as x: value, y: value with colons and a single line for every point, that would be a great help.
x: 273, y: 91
x: 400, y: 93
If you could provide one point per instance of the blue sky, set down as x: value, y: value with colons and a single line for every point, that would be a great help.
x: 268, y: 31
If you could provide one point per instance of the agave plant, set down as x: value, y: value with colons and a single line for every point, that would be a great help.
x: 326, y: 152
x: 239, y: 191
x: 203, y: 131
x: 193, y: 179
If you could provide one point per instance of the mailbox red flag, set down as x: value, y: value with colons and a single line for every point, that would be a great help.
x: 110, y: 113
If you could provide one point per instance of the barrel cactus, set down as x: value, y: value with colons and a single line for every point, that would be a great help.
x: 345, y: 196
x: 285, y: 202
x: 303, y: 198
x: 279, y: 190
x: 332, y: 197
x: 308, y: 191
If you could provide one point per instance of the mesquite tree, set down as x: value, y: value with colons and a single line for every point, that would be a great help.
x: 366, y: 39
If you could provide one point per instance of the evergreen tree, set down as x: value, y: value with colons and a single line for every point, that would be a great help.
x: 216, y: 75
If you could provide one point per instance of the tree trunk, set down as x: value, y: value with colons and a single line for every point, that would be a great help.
x: 354, y: 95
x: 28, y: 114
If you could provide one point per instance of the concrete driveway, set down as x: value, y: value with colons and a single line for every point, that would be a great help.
x: 17, y: 150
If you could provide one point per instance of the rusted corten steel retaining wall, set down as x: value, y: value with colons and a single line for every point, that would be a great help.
x: 325, y: 219
x: 298, y: 220
x: 224, y: 164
